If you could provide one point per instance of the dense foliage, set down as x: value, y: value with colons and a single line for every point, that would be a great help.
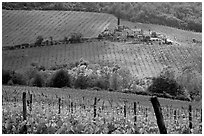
x: 183, y: 15
x: 60, y: 79
x: 84, y: 75
x: 6, y: 76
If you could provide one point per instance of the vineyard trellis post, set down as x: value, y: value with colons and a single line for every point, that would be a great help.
x: 31, y: 101
x: 71, y: 107
x: 69, y: 104
x: 200, y: 118
x: 190, y: 118
x: 135, y: 113
x: 83, y: 103
x: 24, y: 106
x: 125, y: 109
x: 62, y: 104
x: 146, y: 114
x: 59, y: 102
x: 174, y: 115
x: 15, y: 102
x: 95, y: 99
x: 159, y: 116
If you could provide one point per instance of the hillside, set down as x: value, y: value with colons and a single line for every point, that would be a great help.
x: 141, y: 60
x: 19, y: 26
x: 60, y: 24
x: 182, y: 15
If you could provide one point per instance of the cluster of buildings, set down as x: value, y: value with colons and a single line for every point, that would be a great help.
x: 123, y: 33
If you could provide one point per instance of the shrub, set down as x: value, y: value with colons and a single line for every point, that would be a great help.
x: 115, y: 81
x: 10, y: 82
x: 65, y: 40
x: 38, y: 81
x: 102, y: 83
x: 75, y: 38
x: 60, y: 79
x: 19, y: 79
x: 73, y: 64
x: 35, y: 65
x: 126, y: 77
x: 95, y: 81
x: 6, y: 76
x: 168, y: 72
x: 191, y: 80
x: 30, y: 72
x: 161, y: 85
x: 81, y: 82
x: 134, y: 88
x: 46, y: 75
x: 38, y: 41
x: 41, y: 68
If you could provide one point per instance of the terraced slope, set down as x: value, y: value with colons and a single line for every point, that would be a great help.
x: 20, y: 26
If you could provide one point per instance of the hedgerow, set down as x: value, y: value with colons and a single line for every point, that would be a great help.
x: 19, y: 79
x: 84, y: 75
x: 38, y: 80
x: 6, y: 76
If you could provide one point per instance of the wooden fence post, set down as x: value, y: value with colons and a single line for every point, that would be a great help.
x: 196, y: 113
x: 59, y: 103
x: 200, y: 119
x: 24, y: 106
x: 84, y: 104
x: 125, y: 109
x: 175, y: 115
x: 190, y: 117
x: 159, y: 116
x: 69, y: 103
x: 14, y: 101
x: 135, y: 113
x: 146, y: 114
x: 31, y: 101
x: 62, y: 105
x: 103, y: 107
x: 71, y: 107
x: 95, y: 107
